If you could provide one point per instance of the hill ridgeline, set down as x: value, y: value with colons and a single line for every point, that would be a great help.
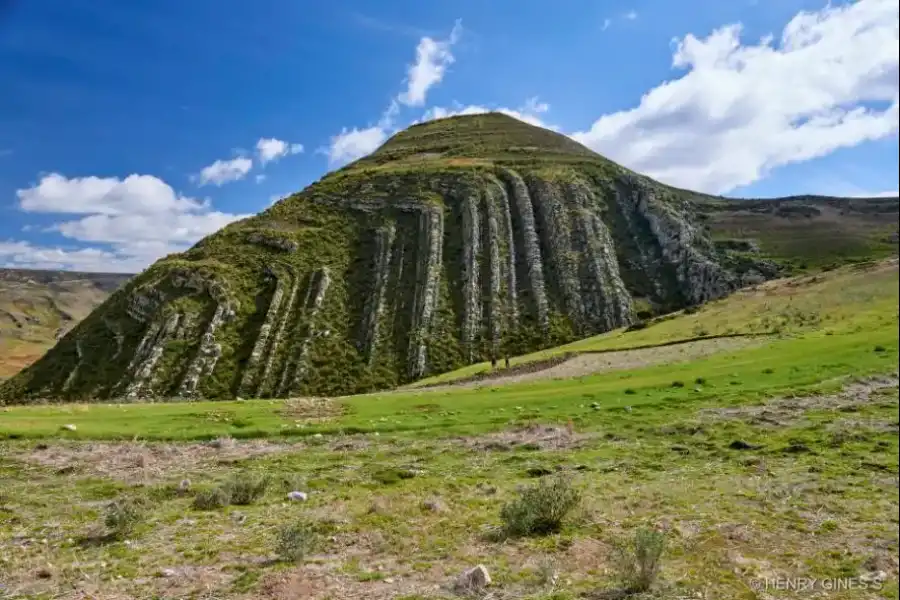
x: 459, y: 240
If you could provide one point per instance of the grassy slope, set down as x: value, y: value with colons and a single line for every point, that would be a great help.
x: 816, y: 498
x: 827, y: 327
x: 35, y: 305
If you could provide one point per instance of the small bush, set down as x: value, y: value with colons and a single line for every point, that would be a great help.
x: 880, y: 349
x: 677, y: 384
x: 246, y: 488
x: 638, y: 562
x: 217, y: 497
x: 122, y: 516
x: 700, y: 380
x: 540, y: 509
x: 294, y: 542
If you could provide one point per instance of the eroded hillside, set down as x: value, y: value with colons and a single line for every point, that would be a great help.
x: 459, y: 240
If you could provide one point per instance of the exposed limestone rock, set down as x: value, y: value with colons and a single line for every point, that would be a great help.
x: 74, y: 373
x: 375, y: 303
x: 700, y: 278
x: 262, y: 337
x: 207, y: 354
x: 322, y: 283
x: 470, y: 281
x: 494, y: 315
x: 149, y: 351
x: 531, y: 245
x: 264, y: 384
x: 273, y: 241
x: 116, y: 330
x: 497, y: 192
x: 550, y: 199
x: 428, y: 272
x: 607, y: 303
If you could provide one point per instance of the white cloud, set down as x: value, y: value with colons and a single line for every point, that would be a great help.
x: 630, y: 15
x: 432, y: 59
x: 606, y: 24
x: 355, y: 143
x: 528, y: 112
x: 269, y: 149
x: 224, y: 171
x: 741, y: 110
x: 23, y: 255
x: 260, y: 178
x: 140, y: 218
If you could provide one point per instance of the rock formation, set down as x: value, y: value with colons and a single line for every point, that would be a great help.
x: 460, y: 240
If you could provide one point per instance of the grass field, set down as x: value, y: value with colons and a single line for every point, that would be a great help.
x: 771, y: 460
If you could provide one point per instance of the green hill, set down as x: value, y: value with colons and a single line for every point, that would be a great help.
x: 459, y: 241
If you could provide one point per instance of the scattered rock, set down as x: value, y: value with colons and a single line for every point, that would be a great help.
x: 297, y: 496
x: 222, y: 443
x: 797, y: 448
x: 742, y: 445
x: 167, y: 573
x: 184, y: 486
x: 473, y: 580
x: 538, y: 471
x: 435, y: 505
x: 44, y: 573
x: 69, y: 427
x: 683, y: 450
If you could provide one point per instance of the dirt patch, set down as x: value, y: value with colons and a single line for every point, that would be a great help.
x: 535, y: 437
x: 784, y: 411
x: 590, y: 363
x: 134, y: 462
x: 311, y: 410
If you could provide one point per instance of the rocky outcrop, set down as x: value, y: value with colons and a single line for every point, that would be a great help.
x: 390, y: 270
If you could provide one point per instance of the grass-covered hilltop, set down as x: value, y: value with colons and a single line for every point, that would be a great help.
x: 459, y: 240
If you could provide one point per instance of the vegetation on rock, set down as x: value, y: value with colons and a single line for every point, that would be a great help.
x: 460, y: 240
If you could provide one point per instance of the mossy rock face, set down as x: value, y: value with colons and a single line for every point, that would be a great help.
x: 460, y: 240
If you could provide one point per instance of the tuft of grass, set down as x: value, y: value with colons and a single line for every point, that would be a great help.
x: 295, y: 541
x: 212, y: 498
x: 540, y: 509
x: 247, y: 488
x: 122, y: 516
x: 638, y: 562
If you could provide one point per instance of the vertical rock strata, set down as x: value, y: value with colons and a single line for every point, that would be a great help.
x: 428, y: 273
x: 531, y: 246
x: 375, y: 302
x: 471, y: 321
x: 363, y: 274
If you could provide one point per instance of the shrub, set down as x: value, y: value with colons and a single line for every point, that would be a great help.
x: 217, y: 497
x: 700, y: 380
x: 638, y: 562
x: 122, y: 516
x: 247, y: 488
x: 677, y: 384
x: 540, y: 509
x: 294, y: 542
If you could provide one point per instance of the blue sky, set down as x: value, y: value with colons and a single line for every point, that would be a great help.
x: 130, y: 130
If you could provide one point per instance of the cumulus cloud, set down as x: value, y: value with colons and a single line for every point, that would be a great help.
x: 351, y: 144
x: 139, y: 218
x: 224, y: 171
x: 269, y: 149
x: 529, y: 112
x: 432, y: 59
x: 740, y: 110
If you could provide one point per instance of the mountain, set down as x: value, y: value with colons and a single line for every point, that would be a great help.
x: 458, y: 240
x: 37, y: 307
